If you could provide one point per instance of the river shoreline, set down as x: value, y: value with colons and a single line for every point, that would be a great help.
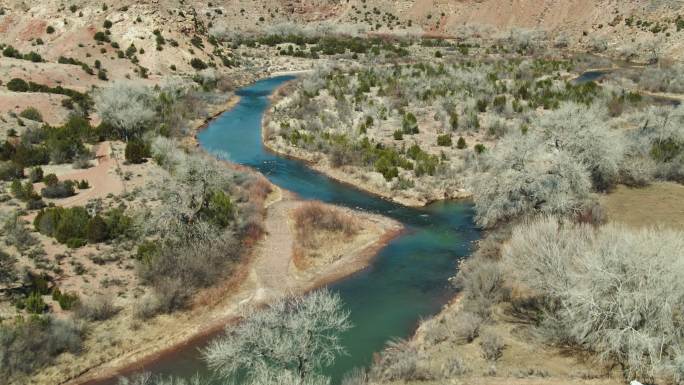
x: 226, y: 312
x: 346, y: 266
x: 338, y: 174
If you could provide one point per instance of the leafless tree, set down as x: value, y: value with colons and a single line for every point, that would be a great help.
x: 184, y: 196
x: 127, y: 107
x: 612, y: 290
x: 292, y: 338
x: 527, y: 175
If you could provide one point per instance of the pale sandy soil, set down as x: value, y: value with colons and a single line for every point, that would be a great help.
x: 103, y: 178
x: 49, y: 105
x: 124, y: 341
x: 661, y: 204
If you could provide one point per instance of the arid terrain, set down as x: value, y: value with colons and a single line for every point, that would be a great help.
x: 121, y: 238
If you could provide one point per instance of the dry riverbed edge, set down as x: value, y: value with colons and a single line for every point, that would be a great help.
x: 267, y: 275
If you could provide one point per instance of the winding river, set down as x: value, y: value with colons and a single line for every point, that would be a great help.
x: 406, y: 282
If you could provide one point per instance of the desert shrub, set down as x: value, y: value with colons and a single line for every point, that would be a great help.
x: 23, y: 192
x: 97, y: 230
x: 100, y: 36
x: 454, y: 368
x: 524, y: 177
x: 66, y: 301
x: 61, y: 223
x: 147, y: 307
x: 32, y: 114
x: 65, y: 143
x: 34, y: 303
x: 99, y: 308
x: 10, y: 170
x: 8, y: 272
x: 61, y: 189
x: 50, y: 179
x: 82, y: 162
x: 481, y: 282
x: 613, y: 290
x: 31, y: 344
x: 136, y: 151
x: 461, y: 143
x: 316, y: 216
x: 17, y: 85
x: 386, y: 168
x: 16, y: 233
x: 74, y: 225
x: 175, y: 270
x: 400, y: 361
x: 409, y: 124
x: 220, y: 211
x: 492, y: 346
x: 444, y: 140
x: 466, y: 327
x: 36, y: 175
x: 198, y: 64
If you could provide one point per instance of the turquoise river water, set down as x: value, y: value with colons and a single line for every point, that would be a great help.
x: 406, y: 282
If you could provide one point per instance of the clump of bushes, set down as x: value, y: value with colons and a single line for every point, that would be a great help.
x: 56, y: 189
x: 74, y: 226
x: 313, y: 217
x: 66, y: 301
x: 30, y: 344
x: 198, y: 64
x: 594, y: 290
x: 409, y: 124
x: 32, y: 114
x: 136, y: 151
x: 525, y: 177
x: 99, y: 308
x: 444, y: 140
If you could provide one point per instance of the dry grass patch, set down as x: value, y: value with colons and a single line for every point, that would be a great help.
x: 657, y: 204
x: 318, y: 228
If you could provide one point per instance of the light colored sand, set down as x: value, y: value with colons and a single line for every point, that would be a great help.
x: 103, y: 179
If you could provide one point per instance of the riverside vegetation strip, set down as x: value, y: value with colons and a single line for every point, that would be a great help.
x: 49, y: 68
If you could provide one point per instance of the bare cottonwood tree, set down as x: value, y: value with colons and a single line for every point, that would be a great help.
x: 526, y: 174
x: 127, y: 107
x: 184, y: 196
x: 612, y: 290
x: 292, y: 339
x: 582, y: 132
